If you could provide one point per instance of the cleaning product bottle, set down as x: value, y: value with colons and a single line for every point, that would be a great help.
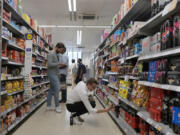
x: 176, y: 31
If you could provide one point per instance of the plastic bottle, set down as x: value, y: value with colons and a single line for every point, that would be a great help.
x: 167, y: 35
x: 165, y: 110
x: 176, y: 31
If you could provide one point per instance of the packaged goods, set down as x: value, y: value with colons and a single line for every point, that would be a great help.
x: 173, y: 78
x: 176, y: 31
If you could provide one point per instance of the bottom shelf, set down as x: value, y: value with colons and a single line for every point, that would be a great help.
x: 22, y: 118
x: 119, y: 121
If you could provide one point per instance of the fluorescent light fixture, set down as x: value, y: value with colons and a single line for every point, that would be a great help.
x: 74, y: 6
x: 71, y: 26
x: 79, y: 37
x: 70, y: 5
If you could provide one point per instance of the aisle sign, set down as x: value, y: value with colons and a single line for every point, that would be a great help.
x: 28, y: 53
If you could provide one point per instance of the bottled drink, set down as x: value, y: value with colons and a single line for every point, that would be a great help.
x: 176, y: 31
x: 165, y: 110
x: 167, y: 35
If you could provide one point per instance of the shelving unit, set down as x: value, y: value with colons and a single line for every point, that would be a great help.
x: 150, y: 26
x: 10, y: 43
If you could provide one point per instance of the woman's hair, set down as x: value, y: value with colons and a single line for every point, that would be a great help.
x: 92, y: 81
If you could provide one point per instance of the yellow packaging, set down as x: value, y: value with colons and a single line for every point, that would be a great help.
x: 26, y: 18
x: 9, y: 87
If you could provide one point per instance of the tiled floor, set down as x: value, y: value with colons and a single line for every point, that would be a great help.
x: 51, y: 123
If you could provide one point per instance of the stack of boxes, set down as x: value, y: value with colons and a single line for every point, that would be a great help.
x: 156, y: 103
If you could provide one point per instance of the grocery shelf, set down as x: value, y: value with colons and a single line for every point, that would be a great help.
x: 26, y: 115
x: 40, y: 60
x: 3, y: 37
x: 165, y: 53
x: 105, y: 80
x: 16, y: 92
x: 105, y: 55
x: 113, y: 100
x: 12, y: 78
x: 113, y: 87
x: 34, y: 76
x: 119, y: 121
x: 13, y: 29
x: 123, y: 125
x: 128, y: 103
x: 3, y: 93
x: 161, y: 86
x: 112, y: 73
x: 21, y: 20
x: 15, y: 63
x: 5, y: 58
x: 159, y: 126
x: 132, y: 57
x: 150, y: 26
x: 139, y: 11
x: 13, y: 108
x: 39, y: 84
x: 113, y: 58
x: 129, y: 77
x: 14, y: 46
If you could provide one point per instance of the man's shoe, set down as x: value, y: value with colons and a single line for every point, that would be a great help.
x: 76, y: 121
x: 58, y: 109
x: 80, y: 119
x: 62, y: 101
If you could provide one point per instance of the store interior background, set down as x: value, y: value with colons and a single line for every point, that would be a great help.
x: 56, y: 12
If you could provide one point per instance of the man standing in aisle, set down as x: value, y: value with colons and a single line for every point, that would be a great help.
x: 63, y: 71
x: 73, y: 70
x: 53, y: 69
x: 80, y: 72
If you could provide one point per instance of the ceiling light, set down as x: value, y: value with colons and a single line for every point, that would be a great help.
x: 71, y: 26
x: 79, y: 37
x: 74, y: 6
x: 70, y: 5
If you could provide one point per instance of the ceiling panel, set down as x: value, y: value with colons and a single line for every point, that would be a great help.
x: 55, y: 12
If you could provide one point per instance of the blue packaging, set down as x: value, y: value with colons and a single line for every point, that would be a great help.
x: 176, y: 115
x: 151, y: 76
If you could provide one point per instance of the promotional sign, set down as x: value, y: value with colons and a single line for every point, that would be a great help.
x: 28, y: 53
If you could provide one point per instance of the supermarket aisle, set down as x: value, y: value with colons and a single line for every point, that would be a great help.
x: 51, y: 123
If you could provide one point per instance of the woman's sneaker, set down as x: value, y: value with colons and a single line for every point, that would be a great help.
x: 58, y: 109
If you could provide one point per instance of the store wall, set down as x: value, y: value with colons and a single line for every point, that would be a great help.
x: 86, y: 58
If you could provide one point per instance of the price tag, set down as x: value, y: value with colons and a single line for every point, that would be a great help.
x: 122, y: 61
x: 158, y: 127
x: 155, y: 85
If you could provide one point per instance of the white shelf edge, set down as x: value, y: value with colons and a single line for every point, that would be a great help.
x: 161, y: 86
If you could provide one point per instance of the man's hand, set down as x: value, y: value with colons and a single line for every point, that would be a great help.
x: 110, y: 108
x: 62, y: 65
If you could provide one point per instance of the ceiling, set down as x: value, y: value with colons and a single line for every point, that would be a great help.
x: 56, y: 12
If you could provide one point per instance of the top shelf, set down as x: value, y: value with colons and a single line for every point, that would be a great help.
x: 139, y: 11
x: 22, y: 21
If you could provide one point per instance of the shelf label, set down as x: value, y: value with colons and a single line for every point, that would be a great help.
x: 170, y: 7
x: 158, y: 127
x: 149, y: 121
